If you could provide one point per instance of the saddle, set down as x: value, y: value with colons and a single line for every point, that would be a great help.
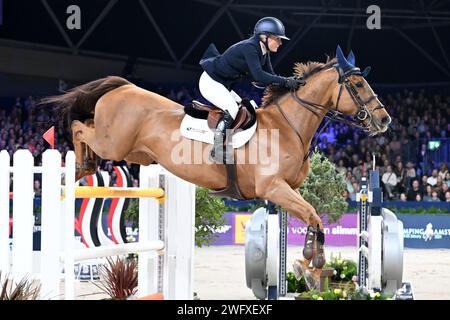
x: 245, y: 117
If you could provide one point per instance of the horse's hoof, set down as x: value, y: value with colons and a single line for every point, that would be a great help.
x: 307, y: 253
x: 319, y: 260
x: 312, y: 280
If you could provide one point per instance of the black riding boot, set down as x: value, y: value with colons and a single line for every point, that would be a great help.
x: 219, y: 150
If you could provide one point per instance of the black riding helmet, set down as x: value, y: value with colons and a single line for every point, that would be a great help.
x: 270, y: 25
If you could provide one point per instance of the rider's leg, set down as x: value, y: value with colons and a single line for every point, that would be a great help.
x: 218, y: 94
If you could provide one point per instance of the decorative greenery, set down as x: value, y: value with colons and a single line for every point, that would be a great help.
x: 209, y: 217
x: 324, y: 188
x: 419, y: 210
x: 349, y: 291
x: 24, y: 290
x: 343, y: 294
x: 295, y: 285
x: 132, y: 213
x: 361, y: 293
x: 209, y: 211
x: 334, y: 294
x: 344, y: 269
x: 250, y: 207
x: 119, y: 278
x: 412, y: 210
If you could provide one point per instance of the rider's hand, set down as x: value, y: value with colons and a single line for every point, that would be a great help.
x: 293, y: 83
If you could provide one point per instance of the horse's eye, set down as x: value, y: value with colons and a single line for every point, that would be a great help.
x: 359, y: 84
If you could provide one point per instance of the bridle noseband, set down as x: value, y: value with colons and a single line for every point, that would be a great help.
x: 362, y: 114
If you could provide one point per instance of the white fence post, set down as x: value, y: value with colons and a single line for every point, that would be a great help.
x: 174, y: 223
x: 4, y: 212
x: 69, y: 227
x: 179, y: 237
x: 51, y: 224
x: 23, y: 219
x: 148, y: 231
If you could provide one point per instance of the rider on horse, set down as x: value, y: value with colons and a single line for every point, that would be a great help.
x: 250, y: 57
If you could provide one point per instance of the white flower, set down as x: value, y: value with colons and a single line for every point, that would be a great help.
x: 131, y: 238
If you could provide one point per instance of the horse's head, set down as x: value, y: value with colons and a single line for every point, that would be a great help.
x: 353, y: 96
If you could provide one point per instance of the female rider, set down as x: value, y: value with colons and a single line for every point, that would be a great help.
x: 250, y: 57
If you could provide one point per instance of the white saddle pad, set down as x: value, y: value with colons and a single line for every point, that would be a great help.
x: 197, y: 129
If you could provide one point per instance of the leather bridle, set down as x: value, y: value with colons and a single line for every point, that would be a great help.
x: 362, y: 114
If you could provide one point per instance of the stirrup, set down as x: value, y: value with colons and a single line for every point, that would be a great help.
x: 220, y: 155
x: 219, y: 152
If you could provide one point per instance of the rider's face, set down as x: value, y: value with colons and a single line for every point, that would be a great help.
x: 273, y: 43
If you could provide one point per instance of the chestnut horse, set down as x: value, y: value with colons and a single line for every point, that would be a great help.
x: 118, y: 120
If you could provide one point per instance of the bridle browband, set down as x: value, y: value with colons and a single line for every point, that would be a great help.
x: 362, y: 114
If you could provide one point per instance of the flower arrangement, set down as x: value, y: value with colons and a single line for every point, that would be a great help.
x: 343, y: 284
x: 344, y: 269
x: 349, y: 293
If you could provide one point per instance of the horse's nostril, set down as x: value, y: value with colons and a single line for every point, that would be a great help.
x: 385, y: 120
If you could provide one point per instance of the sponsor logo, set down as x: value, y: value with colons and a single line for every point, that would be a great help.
x: 196, y: 130
x: 429, y: 232
x: 426, y: 234
x: 240, y: 221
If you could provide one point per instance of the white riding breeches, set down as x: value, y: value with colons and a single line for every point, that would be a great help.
x: 217, y: 94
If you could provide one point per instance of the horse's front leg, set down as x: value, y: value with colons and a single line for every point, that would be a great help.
x: 291, y: 200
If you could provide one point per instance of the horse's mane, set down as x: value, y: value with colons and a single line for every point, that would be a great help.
x: 274, y: 92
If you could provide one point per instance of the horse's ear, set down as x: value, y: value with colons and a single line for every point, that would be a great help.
x: 343, y: 63
x: 366, y: 71
x: 351, y: 58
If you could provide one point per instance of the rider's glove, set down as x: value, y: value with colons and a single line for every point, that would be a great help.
x: 293, y: 83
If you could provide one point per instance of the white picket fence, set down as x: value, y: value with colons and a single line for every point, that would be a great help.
x: 166, y: 231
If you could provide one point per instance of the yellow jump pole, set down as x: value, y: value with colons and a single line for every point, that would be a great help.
x: 117, y: 192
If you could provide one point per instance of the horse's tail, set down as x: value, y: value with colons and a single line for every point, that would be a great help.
x: 79, y: 102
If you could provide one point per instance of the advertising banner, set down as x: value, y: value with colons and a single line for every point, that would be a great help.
x: 420, y: 231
